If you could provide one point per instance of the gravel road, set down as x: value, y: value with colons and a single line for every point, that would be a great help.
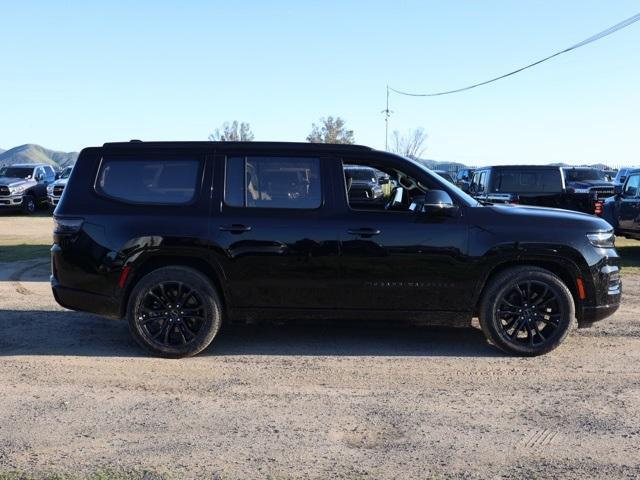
x: 339, y: 401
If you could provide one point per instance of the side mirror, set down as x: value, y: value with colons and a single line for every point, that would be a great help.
x: 438, y: 203
x: 39, y: 177
x: 617, y: 190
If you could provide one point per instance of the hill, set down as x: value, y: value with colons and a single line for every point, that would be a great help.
x: 31, y: 153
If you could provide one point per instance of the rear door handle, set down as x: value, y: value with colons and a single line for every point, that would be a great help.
x: 235, y: 228
x: 364, y: 232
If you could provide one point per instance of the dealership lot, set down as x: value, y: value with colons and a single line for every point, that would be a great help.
x: 310, y: 402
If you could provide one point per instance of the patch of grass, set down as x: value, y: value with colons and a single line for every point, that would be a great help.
x: 16, y: 253
x: 629, y: 251
x: 102, y: 474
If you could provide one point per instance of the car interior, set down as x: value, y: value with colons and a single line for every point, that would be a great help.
x: 405, y: 193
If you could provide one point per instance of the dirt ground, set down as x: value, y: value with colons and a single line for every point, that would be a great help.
x: 339, y: 401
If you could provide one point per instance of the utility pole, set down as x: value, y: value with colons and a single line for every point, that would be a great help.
x: 387, y: 113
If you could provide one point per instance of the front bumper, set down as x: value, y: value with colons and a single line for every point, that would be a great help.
x: 11, y: 201
x: 53, y: 201
x: 607, y: 292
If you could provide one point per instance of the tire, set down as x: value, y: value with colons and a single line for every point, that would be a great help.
x: 532, y: 300
x: 29, y: 204
x: 156, y: 312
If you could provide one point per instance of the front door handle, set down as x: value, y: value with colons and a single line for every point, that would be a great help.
x: 364, y: 232
x: 235, y: 228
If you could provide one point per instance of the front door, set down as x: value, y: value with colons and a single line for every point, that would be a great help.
x: 271, y: 232
x: 396, y: 259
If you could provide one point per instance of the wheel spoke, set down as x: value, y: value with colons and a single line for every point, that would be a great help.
x: 538, y: 332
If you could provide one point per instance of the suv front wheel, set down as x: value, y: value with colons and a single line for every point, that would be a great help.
x: 526, y: 311
x: 174, y: 312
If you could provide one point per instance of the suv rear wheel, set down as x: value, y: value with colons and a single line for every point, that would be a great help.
x: 174, y: 312
x: 526, y: 311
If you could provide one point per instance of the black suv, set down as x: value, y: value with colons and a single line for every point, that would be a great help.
x: 24, y: 186
x: 180, y: 237
x: 579, y: 189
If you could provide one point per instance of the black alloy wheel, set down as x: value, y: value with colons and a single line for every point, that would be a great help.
x: 526, y: 311
x: 171, y: 314
x: 529, y: 313
x: 174, y: 312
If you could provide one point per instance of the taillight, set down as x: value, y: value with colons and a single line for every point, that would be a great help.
x: 66, y: 225
x: 597, y: 208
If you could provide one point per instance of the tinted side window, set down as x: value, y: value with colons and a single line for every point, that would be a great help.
x: 273, y: 182
x: 632, y: 186
x: 149, y: 181
x: 528, y: 181
x: 479, y: 182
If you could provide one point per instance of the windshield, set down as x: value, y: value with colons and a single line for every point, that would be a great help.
x: 583, y: 174
x: 66, y: 173
x: 446, y: 186
x: 16, y: 172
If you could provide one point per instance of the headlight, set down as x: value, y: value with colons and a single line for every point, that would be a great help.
x: 18, y: 189
x: 602, y: 239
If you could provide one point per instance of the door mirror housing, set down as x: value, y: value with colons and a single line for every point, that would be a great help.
x: 438, y: 203
x: 617, y: 190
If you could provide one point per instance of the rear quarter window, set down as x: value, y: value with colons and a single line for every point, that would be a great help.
x: 527, y: 181
x: 167, y: 181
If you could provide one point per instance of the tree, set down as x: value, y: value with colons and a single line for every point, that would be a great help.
x: 330, y: 130
x: 232, y: 132
x: 411, y: 144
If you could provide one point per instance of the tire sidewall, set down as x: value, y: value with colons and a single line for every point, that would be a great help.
x: 491, y: 323
x: 195, y: 280
x: 29, y: 204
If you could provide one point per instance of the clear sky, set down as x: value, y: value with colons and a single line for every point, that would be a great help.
x: 74, y: 74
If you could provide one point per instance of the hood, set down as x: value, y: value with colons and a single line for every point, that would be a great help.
x: 550, y: 218
x: 13, y: 182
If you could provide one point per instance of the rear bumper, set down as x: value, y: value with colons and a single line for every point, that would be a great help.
x: 83, y: 301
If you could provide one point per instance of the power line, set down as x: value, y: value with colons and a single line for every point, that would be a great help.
x: 593, y: 38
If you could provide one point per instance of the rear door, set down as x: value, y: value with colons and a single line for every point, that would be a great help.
x: 273, y: 231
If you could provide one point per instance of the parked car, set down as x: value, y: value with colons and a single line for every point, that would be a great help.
x: 179, y: 237
x: 446, y: 175
x: 576, y: 189
x: 622, y: 210
x: 55, y: 189
x: 24, y: 186
x: 364, y: 184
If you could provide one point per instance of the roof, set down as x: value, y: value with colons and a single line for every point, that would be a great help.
x: 252, y: 145
x: 519, y: 166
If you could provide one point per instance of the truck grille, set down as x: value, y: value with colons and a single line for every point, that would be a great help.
x: 4, y: 190
x: 603, y: 192
x: 57, y: 191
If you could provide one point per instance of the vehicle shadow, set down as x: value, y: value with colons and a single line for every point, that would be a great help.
x: 39, y: 332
